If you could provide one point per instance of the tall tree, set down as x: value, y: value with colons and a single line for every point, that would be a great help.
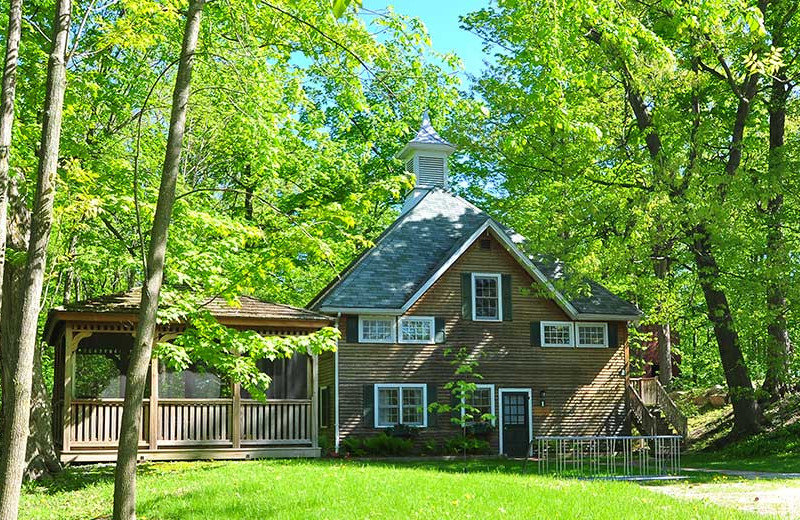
x: 18, y: 404
x: 125, y: 473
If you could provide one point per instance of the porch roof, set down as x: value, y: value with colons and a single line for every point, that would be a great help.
x: 250, y: 312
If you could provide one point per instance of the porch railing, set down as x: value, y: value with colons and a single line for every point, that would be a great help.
x: 611, y: 457
x: 95, y: 423
x: 273, y: 422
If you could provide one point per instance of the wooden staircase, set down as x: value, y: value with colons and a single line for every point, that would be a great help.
x: 652, y: 410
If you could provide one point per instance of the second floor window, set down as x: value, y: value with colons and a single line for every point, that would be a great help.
x: 486, y: 297
x: 415, y: 329
x: 376, y: 329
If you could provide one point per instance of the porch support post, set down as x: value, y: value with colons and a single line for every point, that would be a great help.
x: 313, y: 381
x: 236, y: 416
x: 153, y: 406
x: 71, y: 341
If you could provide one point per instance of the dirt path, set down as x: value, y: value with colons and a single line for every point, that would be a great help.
x: 769, y: 496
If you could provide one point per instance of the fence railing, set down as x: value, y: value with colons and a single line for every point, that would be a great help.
x: 612, y: 457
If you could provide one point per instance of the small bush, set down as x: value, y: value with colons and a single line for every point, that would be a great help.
x: 471, y: 445
x: 383, y: 445
x: 403, y: 431
x: 481, y: 430
x: 380, y: 445
x: 353, y: 446
x: 432, y: 447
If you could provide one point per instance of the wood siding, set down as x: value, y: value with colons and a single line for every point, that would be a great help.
x: 585, y: 387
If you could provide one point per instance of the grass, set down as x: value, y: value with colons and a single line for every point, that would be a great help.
x: 306, y: 489
x: 774, y: 463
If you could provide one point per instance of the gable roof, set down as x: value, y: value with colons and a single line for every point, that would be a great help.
x: 422, y: 244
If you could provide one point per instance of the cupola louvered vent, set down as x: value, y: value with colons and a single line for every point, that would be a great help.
x: 431, y: 171
x: 410, y: 165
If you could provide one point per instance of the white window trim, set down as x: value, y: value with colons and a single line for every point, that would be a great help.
x: 428, y: 341
x: 491, y: 401
x: 391, y: 319
x: 579, y: 324
x: 499, y: 278
x: 400, y: 386
x: 571, y: 325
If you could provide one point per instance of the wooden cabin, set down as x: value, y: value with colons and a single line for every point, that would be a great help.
x: 445, y: 275
x: 191, y: 414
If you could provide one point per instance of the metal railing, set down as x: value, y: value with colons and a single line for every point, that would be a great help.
x: 646, y: 457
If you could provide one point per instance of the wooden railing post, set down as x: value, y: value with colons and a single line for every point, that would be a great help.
x: 236, y: 416
x: 153, y: 405
x: 314, y: 382
x: 71, y: 341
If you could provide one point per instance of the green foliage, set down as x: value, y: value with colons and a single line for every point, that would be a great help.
x: 461, y: 390
x: 466, y: 445
x: 403, y: 431
x: 555, y: 149
x: 234, y: 352
x: 380, y: 445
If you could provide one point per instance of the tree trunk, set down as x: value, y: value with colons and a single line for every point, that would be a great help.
x: 663, y: 335
x: 746, y: 411
x: 41, y: 457
x: 18, y: 409
x: 125, y: 474
x: 777, y: 260
x: 9, y: 87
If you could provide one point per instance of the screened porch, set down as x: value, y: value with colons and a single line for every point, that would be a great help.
x: 188, y: 414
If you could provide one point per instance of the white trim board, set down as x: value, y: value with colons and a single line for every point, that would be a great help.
x: 500, y: 414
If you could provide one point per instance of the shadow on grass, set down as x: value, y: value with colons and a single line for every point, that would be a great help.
x: 75, y: 478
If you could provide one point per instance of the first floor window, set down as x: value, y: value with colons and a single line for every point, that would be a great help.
x: 486, y: 297
x: 414, y: 329
x: 376, y: 329
x: 483, y: 401
x: 556, y: 334
x: 592, y: 334
x: 400, y: 404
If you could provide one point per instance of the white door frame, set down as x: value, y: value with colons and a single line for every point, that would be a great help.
x: 530, y: 412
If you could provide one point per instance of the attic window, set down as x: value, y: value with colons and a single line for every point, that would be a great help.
x: 486, y: 297
x: 486, y: 243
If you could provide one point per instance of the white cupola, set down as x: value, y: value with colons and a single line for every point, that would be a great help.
x: 426, y: 157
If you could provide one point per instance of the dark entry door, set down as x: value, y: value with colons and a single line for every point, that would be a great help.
x: 515, y: 423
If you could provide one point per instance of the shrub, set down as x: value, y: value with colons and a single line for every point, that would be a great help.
x: 432, y: 447
x: 471, y: 445
x: 380, y: 445
x: 403, y: 431
x: 383, y: 445
x: 353, y: 446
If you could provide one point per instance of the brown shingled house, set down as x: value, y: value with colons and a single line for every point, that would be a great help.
x: 192, y: 414
x: 445, y: 274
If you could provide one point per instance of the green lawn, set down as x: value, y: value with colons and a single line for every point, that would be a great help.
x: 349, y: 489
x: 776, y: 463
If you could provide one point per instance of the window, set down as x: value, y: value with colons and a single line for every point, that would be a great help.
x: 324, y: 406
x: 400, y: 404
x: 483, y: 400
x: 417, y: 330
x: 376, y: 329
x: 486, y: 297
x: 288, y: 375
x: 556, y: 334
x: 592, y: 334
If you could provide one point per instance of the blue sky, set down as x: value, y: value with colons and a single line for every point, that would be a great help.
x: 441, y: 19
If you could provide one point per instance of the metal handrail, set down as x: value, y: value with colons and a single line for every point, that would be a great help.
x: 640, y: 457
